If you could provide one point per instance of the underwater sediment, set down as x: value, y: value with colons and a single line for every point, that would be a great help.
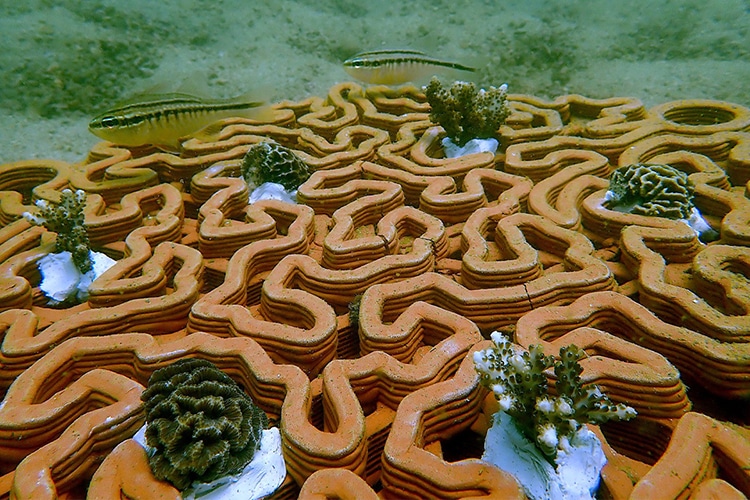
x: 442, y: 252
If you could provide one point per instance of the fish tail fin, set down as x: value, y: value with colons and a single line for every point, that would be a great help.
x: 262, y: 113
x: 258, y: 107
x: 210, y: 133
x: 475, y: 68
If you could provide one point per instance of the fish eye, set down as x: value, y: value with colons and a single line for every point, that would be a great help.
x: 110, y: 121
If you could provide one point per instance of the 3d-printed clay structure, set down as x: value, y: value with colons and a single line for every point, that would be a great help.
x: 442, y: 253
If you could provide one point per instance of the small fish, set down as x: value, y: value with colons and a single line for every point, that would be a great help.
x: 162, y: 119
x: 393, y: 67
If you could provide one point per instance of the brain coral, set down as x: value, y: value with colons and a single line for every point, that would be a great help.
x: 271, y: 162
x: 200, y: 422
x: 655, y: 190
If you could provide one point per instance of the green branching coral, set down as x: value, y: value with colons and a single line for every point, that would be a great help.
x: 655, y: 190
x: 271, y: 162
x: 66, y: 219
x: 200, y: 423
x: 465, y: 112
x: 521, y: 389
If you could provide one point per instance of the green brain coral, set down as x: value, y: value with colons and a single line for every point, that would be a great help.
x: 271, y: 162
x: 466, y: 113
x: 200, y: 423
x: 655, y: 190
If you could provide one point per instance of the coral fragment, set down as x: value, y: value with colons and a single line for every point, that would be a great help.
x: 653, y: 190
x: 466, y: 112
x: 200, y: 423
x: 520, y: 385
x: 66, y: 219
x: 271, y: 162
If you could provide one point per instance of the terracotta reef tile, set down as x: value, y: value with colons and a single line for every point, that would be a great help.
x: 678, y: 240
x: 83, y: 398
x: 701, y: 449
x: 335, y: 113
x: 320, y: 152
x: 530, y: 119
x: 327, y: 191
x: 538, y: 160
x: 26, y: 181
x: 716, y: 488
x: 706, y: 158
x: 102, y: 174
x: 611, y: 328
x: 672, y: 302
x: 522, y: 237
x: 359, y: 399
x: 22, y: 246
x: 126, y: 473
x: 430, y: 414
x: 412, y: 185
x: 119, y: 171
x: 719, y: 366
x: 620, y: 473
x: 702, y: 116
x: 559, y: 196
x: 226, y: 221
x: 434, y: 252
x: 160, y: 205
x: 481, y: 187
x: 414, y: 148
x: 717, y: 275
x: 387, y: 108
x: 570, y: 115
x: 290, y: 323
x: 336, y: 483
x: 732, y: 207
x: 344, y: 250
x: 711, y: 162
x: 123, y: 304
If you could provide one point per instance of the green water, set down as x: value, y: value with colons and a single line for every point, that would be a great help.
x: 62, y: 61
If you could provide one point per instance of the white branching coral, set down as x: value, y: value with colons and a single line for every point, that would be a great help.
x: 519, y: 383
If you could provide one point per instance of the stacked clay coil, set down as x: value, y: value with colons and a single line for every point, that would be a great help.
x: 438, y: 253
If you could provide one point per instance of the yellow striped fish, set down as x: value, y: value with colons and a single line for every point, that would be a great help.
x: 163, y: 119
x: 394, y: 67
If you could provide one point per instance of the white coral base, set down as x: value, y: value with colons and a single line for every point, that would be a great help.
x: 577, y: 471
x: 261, y: 477
x: 453, y: 150
x: 272, y: 191
x: 61, y: 279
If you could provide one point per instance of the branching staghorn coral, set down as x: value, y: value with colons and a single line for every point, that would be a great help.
x: 655, y: 190
x: 465, y: 112
x: 200, y: 423
x: 518, y: 381
x: 66, y: 219
x: 271, y: 162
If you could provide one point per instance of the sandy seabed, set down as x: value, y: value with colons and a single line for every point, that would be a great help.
x: 63, y: 61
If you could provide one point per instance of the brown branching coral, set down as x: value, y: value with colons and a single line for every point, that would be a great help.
x: 465, y: 112
x: 655, y: 190
x: 66, y: 219
x: 200, y: 423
